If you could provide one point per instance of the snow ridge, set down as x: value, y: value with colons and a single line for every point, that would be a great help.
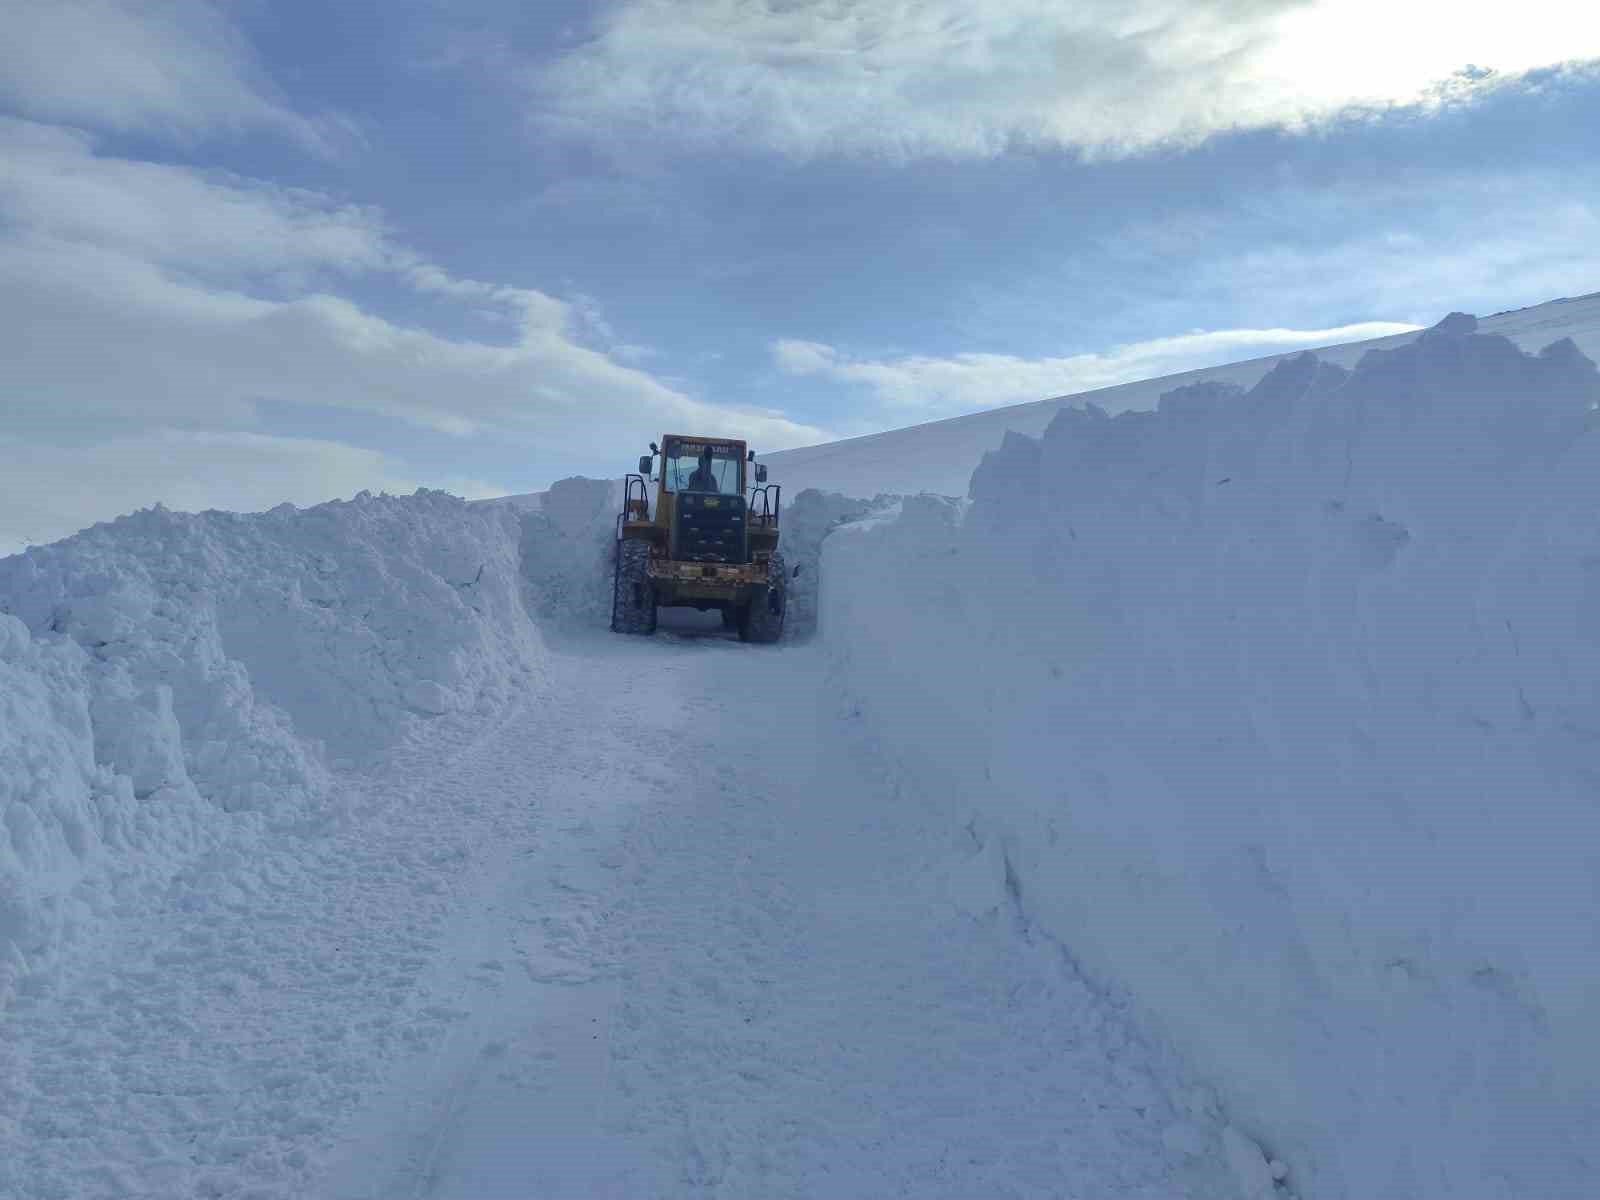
x: 171, y: 680
x: 1283, y: 703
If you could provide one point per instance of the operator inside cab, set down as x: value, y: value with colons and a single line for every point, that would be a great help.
x: 704, y: 478
x: 701, y: 467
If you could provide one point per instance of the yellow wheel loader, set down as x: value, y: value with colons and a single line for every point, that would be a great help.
x: 706, y: 539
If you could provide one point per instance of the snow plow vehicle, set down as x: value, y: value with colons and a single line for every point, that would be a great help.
x: 708, y: 541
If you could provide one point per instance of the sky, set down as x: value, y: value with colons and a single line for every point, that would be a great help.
x: 254, y: 252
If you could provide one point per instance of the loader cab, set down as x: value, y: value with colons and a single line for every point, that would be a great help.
x: 698, y: 465
x: 701, y: 503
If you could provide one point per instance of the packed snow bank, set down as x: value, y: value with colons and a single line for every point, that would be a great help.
x: 164, y: 675
x: 1283, y: 705
x: 806, y: 521
x: 90, y: 762
x: 567, y: 549
x: 344, y: 619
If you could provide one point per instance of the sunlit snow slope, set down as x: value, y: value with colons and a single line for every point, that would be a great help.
x: 938, y: 457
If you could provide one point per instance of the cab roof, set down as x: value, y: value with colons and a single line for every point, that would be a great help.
x: 702, y: 439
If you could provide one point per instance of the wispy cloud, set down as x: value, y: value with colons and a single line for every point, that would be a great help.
x: 137, y: 293
x: 179, y: 69
x: 918, y: 387
x: 1409, y: 244
x: 53, y: 185
x: 950, y: 79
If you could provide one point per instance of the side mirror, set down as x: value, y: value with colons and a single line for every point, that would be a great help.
x: 751, y: 456
x: 761, y: 472
x: 654, y: 449
x: 644, y: 464
x: 798, y: 567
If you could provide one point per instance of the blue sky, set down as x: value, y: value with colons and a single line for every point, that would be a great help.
x: 260, y: 251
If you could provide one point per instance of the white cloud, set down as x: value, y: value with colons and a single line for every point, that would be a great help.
x: 204, y: 224
x: 804, y: 358
x: 1412, y: 244
x: 952, y: 79
x: 142, y: 293
x: 179, y: 68
x: 925, y: 388
x: 151, y: 315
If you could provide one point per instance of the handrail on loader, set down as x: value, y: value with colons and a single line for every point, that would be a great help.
x: 635, y: 508
x: 771, y: 501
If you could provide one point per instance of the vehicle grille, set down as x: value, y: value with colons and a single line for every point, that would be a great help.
x: 710, y: 528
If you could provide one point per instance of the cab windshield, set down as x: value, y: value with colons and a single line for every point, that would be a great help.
x: 690, y: 469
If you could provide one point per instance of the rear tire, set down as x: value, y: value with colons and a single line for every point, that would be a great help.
x: 633, y: 593
x: 761, y: 620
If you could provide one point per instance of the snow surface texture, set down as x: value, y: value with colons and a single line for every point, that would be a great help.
x: 66, y: 798
x: 1283, y: 707
x: 168, y: 680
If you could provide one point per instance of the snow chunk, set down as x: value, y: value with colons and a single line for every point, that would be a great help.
x: 427, y: 696
x: 1249, y: 1166
x: 137, y: 735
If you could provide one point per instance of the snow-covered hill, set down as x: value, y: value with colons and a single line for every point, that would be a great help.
x: 938, y: 457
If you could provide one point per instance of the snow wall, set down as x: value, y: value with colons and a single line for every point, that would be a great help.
x: 172, y: 683
x: 1284, y: 706
x: 806, y: 522
x: 567, y: 547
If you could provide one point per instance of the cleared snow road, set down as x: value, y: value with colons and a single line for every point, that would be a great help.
x: 667, y: 929
x: 735, y: 962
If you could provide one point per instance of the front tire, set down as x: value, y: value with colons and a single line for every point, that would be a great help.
x: 761, y: 619
x: 633, y: 592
